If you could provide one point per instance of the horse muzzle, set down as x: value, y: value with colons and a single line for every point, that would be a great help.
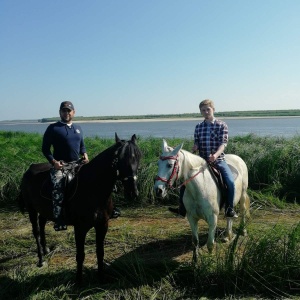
x: 160, y: 190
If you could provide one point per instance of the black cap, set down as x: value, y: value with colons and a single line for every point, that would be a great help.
x: 67, y: 104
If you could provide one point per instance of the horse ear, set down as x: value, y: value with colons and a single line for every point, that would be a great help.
x: 117, y: 138
x: 133, y: 139
x: 177, y: 149
x: 164, y: 146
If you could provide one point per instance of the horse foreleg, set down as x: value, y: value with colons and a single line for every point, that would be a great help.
x: 212, y: 225
x: 101, y: 230
x: 195, y: 238
x: 42, y: 223
x: 33, y: 216
x: 80, y: 235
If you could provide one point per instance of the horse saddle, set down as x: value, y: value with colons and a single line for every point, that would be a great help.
x: 43, y: 169
x: 218, y: 177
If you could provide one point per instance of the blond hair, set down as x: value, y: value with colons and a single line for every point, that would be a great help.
x: 208, y: 102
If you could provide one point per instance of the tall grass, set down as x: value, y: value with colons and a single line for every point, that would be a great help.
x: 273, y: 163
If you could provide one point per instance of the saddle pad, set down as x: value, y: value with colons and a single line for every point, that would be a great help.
x: 234, y: 171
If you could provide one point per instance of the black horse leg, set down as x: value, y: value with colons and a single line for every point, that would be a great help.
x: 33, y: 216
x: 80, y: 235
x: 42, y: 223
x: 101, y: 230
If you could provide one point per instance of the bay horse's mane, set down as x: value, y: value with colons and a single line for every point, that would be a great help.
x: 128, y: 150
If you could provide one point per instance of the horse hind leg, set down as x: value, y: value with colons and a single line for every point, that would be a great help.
x: 101, y: 230
x: 42, y: 224
x: 33, y: 216
x: 245, y: 213
x: 80, y: 235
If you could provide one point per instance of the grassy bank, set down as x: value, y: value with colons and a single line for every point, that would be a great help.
x: 273, y: 163
x: 147, y: 249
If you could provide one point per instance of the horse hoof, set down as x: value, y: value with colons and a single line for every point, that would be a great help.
x: 225, y: 239
x: 46, y: 251
x: 228, y: 239
x: 40, y: 264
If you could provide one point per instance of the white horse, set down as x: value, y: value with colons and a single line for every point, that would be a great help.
x: 202, y: 196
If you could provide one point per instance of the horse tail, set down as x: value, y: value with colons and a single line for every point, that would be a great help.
x: 21, y: 202
x: 20, y: 198
x: 247, y: 205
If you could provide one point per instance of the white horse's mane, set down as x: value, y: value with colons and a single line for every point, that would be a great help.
x: 191, y: 162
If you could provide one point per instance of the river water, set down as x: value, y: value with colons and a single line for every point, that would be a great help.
x: 282, y: 127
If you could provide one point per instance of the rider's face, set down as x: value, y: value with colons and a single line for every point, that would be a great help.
x: 207, y: 112
x: 66, y: 115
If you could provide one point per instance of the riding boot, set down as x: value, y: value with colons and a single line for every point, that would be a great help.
x: 115, y: 213
x: 181, y: 209
x: 59, y: 222
x: 229, y: 211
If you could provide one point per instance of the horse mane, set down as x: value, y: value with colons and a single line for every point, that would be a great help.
x: 191, y: 162
x: 130, y: 151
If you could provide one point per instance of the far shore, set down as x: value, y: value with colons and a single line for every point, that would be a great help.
x: 177, y: 119
x: 14, y: 122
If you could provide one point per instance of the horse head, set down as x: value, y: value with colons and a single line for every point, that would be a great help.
x: 168, y: 169
x: 128, y: 160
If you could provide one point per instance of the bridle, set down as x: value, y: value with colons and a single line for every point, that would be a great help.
x: 175, y: 172
x: 116, y: 166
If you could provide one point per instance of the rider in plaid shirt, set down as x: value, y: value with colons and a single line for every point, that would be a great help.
x: 210, y: 139
x: 209, y: 135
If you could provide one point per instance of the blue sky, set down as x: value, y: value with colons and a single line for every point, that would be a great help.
x: 129, y: 57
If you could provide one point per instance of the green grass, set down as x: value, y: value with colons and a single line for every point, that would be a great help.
x: 149, y: 252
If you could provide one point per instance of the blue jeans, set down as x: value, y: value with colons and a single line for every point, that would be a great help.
x: 227, y: 177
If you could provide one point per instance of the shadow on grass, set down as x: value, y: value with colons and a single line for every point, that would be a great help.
x: 145, y: 265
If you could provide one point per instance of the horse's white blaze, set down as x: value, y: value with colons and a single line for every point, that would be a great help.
x: 202, y: 196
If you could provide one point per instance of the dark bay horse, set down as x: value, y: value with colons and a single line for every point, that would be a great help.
x: 88, y: 202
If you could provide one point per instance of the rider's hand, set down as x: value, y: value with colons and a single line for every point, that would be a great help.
x: 57, y: 164
x: 212, y: 158
x: 85, y: 158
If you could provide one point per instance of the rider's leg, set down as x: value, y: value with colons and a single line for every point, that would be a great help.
x: 229, y: 181
x: 57, y: 178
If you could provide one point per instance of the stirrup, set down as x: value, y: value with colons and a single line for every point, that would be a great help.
x: 230, y: 213
x: 60, y: 227
x: 116, y: 213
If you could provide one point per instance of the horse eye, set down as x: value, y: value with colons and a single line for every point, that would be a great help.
x: 170, y: 165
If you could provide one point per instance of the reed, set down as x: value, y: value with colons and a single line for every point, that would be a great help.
x: 273, y: 163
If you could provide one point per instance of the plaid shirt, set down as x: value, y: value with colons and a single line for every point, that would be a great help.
x: 209, y: 136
